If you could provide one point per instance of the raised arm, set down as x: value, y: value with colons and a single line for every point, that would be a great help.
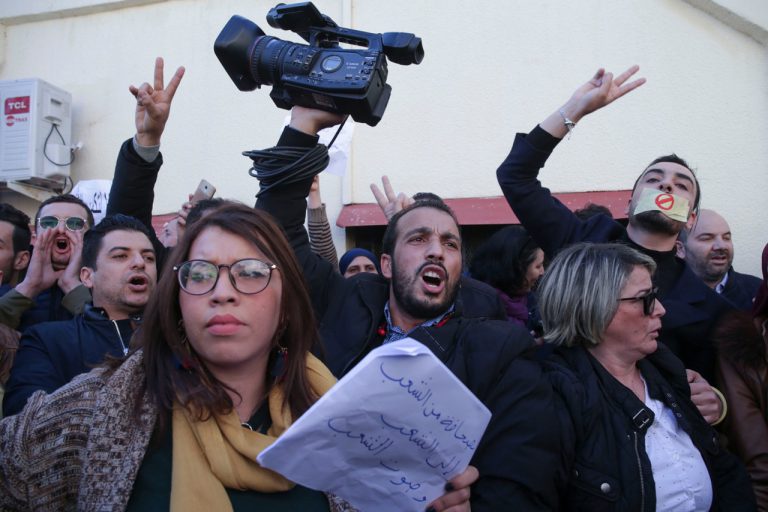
x: 139, y: 160
x: 548, y: 221
x: 319, y: 228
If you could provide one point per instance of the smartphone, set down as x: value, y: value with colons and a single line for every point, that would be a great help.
x: 204, y: 191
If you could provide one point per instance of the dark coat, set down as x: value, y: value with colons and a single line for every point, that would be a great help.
x: 519, y: 453
x: 740, y: 289
x: 133, y: 192
x: 743, y: 378
x: 692, y: 307
x: 46, y: 307
x: 50, y: 354
x: 604, y: 435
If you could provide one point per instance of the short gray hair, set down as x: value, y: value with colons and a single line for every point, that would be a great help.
x: 580, y: 292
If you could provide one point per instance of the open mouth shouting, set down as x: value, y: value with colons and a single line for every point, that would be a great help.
x: 433, y: 278
x: 61, y: 244
x: 138, y: 283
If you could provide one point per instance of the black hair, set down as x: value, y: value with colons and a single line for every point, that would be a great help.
x: 502, y: 261
x: 202, y: 206
x: 426, y: 196
x: 66, y: 198
x: 589, y: 210
x: 22, y: 234
x: 674, y: 159
x: 390, y: 234
x: 93, y: 237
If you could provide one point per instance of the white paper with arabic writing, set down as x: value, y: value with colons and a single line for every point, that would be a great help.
x: 388, y: 435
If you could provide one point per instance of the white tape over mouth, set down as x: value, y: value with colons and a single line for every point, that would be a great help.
x: 673, y: 206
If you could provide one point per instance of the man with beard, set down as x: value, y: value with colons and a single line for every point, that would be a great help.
x: 708, y: 249
x: 119, y: 269
x: 665, y: 199
x: 51, y: 289
x: 15, y: 236
x: 421, y: 294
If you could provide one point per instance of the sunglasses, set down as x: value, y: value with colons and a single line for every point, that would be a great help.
x: 248, y: 276
x: 649, y: 301
x: 72, y: 223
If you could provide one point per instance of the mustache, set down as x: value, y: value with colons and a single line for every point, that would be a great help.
x: 432, y: 264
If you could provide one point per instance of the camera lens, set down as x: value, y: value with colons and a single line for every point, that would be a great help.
x: 265, y: 59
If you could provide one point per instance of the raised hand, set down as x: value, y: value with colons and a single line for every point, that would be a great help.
x: 153, y: 105
x: 40, y: 272
x: 69, y: 279
x: 311, y: 121
x: 389, y: 202
x: 601, y: 90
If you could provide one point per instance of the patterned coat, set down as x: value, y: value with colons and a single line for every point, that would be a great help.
x: 80, y: 447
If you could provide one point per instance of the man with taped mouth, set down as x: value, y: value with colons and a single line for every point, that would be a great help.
x: 120, y: 271
x: 665, y: 200
x: 51, y: 289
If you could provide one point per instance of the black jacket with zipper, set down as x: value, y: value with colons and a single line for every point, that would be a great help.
x: 604, y: 426
x: 52, y: 353
x: 518, y: 455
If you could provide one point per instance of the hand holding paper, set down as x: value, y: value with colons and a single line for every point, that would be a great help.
x: 388, y: 436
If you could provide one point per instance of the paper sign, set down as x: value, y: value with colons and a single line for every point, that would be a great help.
x: 388, y: 435
x: 94, y: 193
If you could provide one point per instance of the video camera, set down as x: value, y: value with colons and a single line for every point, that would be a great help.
x: 320, y: 75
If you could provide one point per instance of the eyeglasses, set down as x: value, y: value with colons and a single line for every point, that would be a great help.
x: 72, y: 223
x: 649, y: 301
x: 248, y: 276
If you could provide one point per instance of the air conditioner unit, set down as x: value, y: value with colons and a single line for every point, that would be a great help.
x: 35, y: 130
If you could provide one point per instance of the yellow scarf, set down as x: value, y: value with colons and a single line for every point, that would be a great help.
x: 209, y: 456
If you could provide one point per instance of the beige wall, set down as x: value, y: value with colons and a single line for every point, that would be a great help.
x: 491, y: 69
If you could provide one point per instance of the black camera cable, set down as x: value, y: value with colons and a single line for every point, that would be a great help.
x: 281, y: 165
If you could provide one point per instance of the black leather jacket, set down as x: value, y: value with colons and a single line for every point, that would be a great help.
x: 604, y: 426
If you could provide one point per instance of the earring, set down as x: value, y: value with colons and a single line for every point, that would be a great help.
x: 279, y: 359
x: 186, y: 362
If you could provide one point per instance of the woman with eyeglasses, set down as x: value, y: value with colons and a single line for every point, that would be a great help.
x: 220, y: 368
x: 633, y: 438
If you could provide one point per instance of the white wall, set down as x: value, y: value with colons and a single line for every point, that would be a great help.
x: 491, y: 69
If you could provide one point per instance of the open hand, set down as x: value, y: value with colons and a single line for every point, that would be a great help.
x: 69, y: 279
x: 40, y: 272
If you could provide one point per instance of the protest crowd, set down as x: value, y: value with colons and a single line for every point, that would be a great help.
x: 624, y: 365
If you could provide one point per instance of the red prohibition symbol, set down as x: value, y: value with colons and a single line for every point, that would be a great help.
x: 665, y: 201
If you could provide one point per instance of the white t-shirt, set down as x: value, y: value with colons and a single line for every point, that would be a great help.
x: 681, y: 477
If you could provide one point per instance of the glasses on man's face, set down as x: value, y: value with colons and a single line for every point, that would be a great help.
x: 649, y: 301
x: 71, y: 223
x: 248, y: 276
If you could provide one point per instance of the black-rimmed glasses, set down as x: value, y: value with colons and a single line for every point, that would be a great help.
x: 72, y: 223
x: 248, y: 276
x: 649, y: 301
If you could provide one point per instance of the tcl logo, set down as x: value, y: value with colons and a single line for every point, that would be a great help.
x: 18, y: 105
